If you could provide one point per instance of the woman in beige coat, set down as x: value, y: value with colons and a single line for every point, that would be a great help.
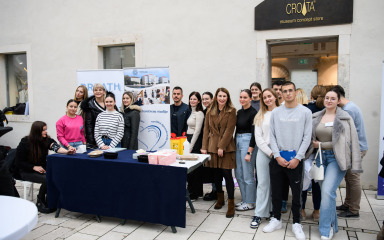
x: 219, y: 126
x: 334, y: 130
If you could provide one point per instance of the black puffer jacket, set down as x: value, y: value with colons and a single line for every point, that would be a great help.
x: 131, y: 127
x: 91, y: 110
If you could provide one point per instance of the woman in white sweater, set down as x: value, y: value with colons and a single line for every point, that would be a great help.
x: 195, y: 138
x: 269, y: 101
x: 109, y: 127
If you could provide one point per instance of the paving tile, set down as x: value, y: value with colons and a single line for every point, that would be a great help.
x: 182, y: 233
x: 230, y: 235
x: 365, y: 206
x: 341, y: 235
x: 99, y: 229
x: 215, y: 223
x: 198, y: 235
x: 81, y: 236
x: 51, y: 220
x: 366, y: 236
x: 128, y: 227
x: 113, y: 236
x: 370, y: 192
x: 72, y: 214
x: 373, y: 201
x: 75, y: 223
x: 241, y: 224
x: 379, y: 212
x: 58, y: 232
x: 278, y: 234
x: 201, y: 205
x: 366, y: 221
x: 195, y: 219
x: 41, y: 231
x: 146, y: 231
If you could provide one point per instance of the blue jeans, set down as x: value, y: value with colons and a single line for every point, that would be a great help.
x: 263, y: 192
x: 244, y: 171
x: 332, y: 179
x: 75, y: 144
x: 108, y: 141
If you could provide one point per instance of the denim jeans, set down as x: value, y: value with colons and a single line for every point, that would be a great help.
x: 244, y: 171
x: 108, y: 141
x: 332, y: 179
x: 75, y: 144
x: 263, y: 191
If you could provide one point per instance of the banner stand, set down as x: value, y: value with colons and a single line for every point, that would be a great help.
x: 380, y: 182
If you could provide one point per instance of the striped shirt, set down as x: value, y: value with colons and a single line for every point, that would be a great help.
x: 111, y: 125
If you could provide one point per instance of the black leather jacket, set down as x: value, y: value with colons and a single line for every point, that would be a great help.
x: 131, y: 127
x: 91, y: 110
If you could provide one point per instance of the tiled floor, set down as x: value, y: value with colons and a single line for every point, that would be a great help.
x: 206, y: 223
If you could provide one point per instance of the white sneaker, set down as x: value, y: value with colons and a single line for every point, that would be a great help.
x: 273, y: 225
x: 239, y: 204
x: 245, y: 207
x: 297, y: 229
x: 330, y: 235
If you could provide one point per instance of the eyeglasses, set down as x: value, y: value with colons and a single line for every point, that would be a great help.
x: 288, y: 91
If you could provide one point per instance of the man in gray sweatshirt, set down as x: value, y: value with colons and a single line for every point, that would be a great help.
x: 291, y: 132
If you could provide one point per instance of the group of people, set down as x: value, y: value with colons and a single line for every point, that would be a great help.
x: 94, y: 121
x: 267, y: 142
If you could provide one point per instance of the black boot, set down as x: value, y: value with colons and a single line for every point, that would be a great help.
x: 42, y: 206
x: 210, y: 196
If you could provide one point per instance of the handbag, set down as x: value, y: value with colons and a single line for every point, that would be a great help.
x: 317, y: 173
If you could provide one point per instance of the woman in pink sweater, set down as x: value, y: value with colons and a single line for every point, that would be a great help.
x: 70, y: 129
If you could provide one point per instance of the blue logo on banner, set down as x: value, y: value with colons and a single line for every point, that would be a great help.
x: 155, y: 134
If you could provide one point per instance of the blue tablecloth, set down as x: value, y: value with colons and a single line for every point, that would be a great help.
x: 122, y: 188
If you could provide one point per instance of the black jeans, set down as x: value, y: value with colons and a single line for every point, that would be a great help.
x: 219, y: 173
x: 316, y: 196
x: 36, y: 178
x: 278, y: 176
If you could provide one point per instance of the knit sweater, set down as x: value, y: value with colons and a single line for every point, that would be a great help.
x: 111, y: 125
x: 70, y: 130
x: 195, y: 123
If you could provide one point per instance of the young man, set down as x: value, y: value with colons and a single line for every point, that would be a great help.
x: 291, y: 130
x: 180, y: 113
x: 351, y: 206
x: 277, y: 87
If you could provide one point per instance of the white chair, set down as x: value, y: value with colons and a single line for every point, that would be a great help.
x: 30, y: 191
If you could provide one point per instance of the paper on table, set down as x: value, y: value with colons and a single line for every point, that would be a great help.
x: 114, y: 150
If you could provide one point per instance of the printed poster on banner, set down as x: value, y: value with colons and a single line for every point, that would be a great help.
x: 151, y: 88
x: 112, y: 80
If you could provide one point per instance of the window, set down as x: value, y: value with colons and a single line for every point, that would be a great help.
x: 119, y: 57
x: 17, y: 82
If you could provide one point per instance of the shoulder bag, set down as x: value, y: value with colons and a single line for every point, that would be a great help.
x: 317, y: 173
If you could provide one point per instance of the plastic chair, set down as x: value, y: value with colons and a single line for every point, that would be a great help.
x: 26, y: 184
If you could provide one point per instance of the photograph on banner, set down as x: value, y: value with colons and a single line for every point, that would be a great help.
x: 112, y: 80
x: 151, y: 89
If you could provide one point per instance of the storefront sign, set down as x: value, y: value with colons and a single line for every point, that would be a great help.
x: 278, y: 14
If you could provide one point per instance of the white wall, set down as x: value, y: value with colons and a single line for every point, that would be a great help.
x: 206, y: 44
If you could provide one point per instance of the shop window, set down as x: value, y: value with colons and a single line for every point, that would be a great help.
x: 17, y: 83
x: 119, y: 57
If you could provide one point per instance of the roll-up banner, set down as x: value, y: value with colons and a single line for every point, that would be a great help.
x: 380, y: 182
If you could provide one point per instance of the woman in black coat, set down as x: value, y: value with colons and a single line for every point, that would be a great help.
x: 91, y: 107
x: 131, y: 115
x: 31, y: 154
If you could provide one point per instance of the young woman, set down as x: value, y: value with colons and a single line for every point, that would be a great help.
x: 244, y: 171
x: 317, y: 104
x: 69, y: 128
x: 219, y: 125
x: 256, y: 92
x: 263, y: 192
x: 131, y: 114
x: 335, y: 130
x: 109, y: 128
x: 31, y: 160
x: 301, y: 97
x: 207, y: 98
x: 80, y: 94
x: 195, y: 124
x: 91, y: 107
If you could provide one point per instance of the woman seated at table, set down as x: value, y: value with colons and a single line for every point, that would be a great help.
x: 109, y: 128
x: 131, y: 114
x: 69, y: 128
x: 31, y: 160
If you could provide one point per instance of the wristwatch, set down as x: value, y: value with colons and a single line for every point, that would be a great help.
x: 249, y: 153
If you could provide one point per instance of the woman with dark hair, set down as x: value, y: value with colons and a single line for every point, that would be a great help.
x: 80, y: 95
x: 334, y: 131
x: 256, y: 92
x: 91, y: 107
x: 31, y: 160
x: 69, y: 128
x: 131, y: 114
x: 195, y: 123
x: 219, y: 125
x: 245, y: 174
x: 109, y: 127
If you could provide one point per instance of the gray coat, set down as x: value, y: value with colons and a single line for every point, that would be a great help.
x: 344, y: 140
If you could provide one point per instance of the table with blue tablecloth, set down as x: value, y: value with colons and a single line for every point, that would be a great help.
x: 122, y: 188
